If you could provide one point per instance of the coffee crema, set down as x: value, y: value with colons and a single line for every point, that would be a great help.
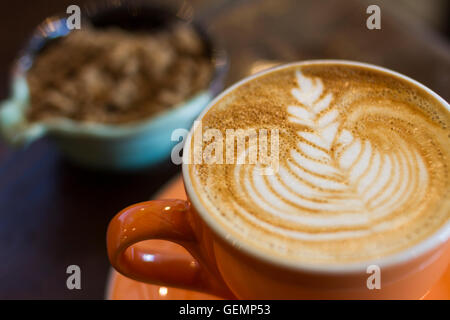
x: 363, y: 164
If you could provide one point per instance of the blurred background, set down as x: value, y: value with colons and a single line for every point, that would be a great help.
x: 54, y: 214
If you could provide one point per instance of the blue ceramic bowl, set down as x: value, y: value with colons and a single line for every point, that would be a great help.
x: 103, y: 146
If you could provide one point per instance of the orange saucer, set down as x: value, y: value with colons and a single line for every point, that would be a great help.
x: 119, y: 287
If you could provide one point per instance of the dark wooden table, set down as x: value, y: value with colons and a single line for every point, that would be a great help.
x: 54, y: 214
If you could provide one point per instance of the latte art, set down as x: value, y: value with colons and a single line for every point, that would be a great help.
x: 363, y: 168
x: 341, y: 183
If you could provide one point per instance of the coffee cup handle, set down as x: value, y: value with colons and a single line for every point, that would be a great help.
x: 162, y: 220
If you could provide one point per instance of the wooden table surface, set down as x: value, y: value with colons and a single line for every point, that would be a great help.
x: 54, y: 214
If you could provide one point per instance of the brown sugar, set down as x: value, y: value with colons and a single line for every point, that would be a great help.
x: 117, y: 76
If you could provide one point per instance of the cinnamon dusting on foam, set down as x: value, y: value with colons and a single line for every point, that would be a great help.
x: 364, y: 164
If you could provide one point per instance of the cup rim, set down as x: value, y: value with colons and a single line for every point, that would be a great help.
x: 431, y: 242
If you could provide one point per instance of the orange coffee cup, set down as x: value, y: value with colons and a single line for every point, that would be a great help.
x: 232, y: 269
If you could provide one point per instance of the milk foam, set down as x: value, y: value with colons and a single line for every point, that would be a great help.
x: 363, y: 169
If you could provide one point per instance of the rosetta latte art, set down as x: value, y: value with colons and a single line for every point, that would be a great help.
x: 352, y: 184
x: 363, y: 170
